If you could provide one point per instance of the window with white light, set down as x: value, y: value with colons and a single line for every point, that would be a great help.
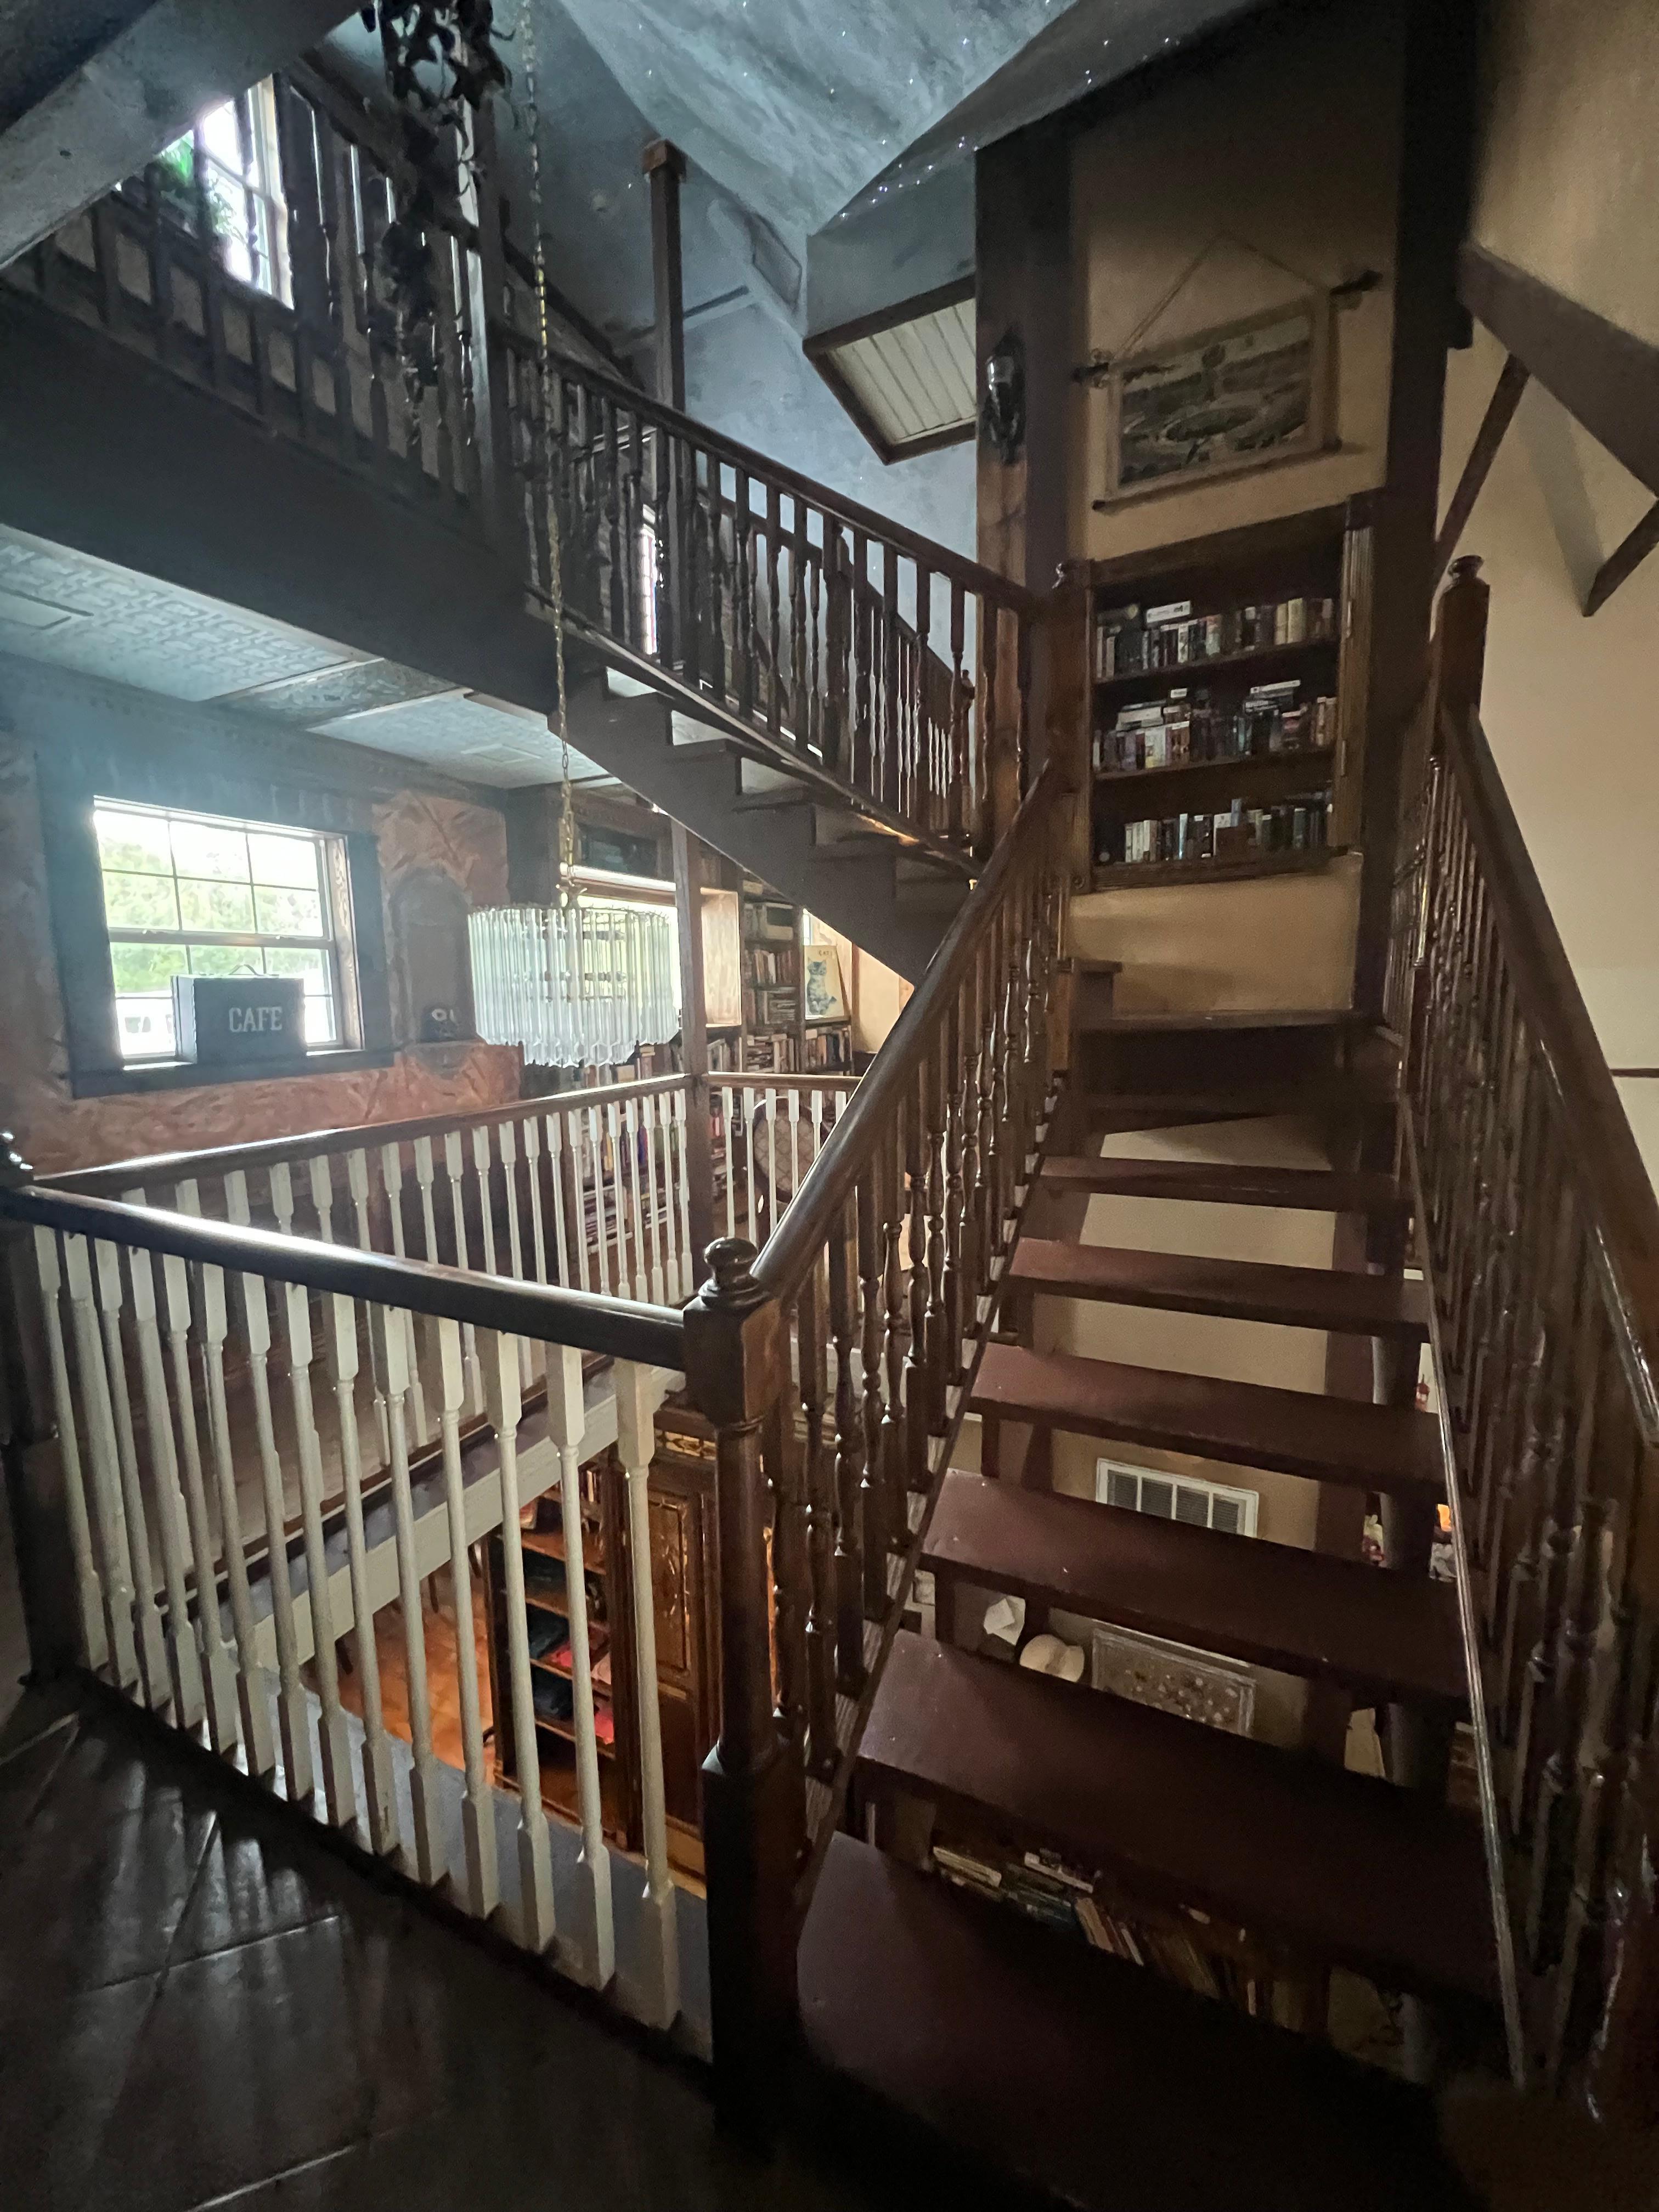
x: 1186, y: 1498
x: 231, y: 162
x: 198, y: 895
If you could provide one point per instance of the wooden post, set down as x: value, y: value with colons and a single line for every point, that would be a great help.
x: 665, y: 164
x: 486, y: 276
x: 694, y: 1043
x: 33, y: 1472
x: 735, y: 1360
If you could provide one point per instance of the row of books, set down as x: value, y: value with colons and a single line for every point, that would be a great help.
x: 767, y: 965
x: 1133, y: 640
x: 771, y: 1006
x: 1295, y: 825
x: 1164, y: 733
x: 772, y: 1052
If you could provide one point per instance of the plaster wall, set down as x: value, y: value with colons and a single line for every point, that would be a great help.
x: 1237, y: 190
x: 1567, y: 162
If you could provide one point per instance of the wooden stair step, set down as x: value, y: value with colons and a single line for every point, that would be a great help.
x: 1125, y: 1021
x: 1082, y: 2078
x: 1386, y: 1447
x: 1344, y: 1866
x: 1103, y: 1109
x: 1240, y: 1290
x: 1387, y: 1636
x: 1316, y: 1190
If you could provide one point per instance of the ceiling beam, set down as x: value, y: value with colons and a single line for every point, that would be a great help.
x: 1623, y: 561
x: 1500, y: 413
x: 1604, y: 376
x: 113, y: 110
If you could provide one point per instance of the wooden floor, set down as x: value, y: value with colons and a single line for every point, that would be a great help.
x: 443, y: 1673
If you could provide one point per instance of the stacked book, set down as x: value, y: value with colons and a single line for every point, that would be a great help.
x: 1294, y: 825
x: 1185, y: 725
x: 1134, y: 642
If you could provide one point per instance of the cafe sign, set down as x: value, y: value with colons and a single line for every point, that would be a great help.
x: 235, y: 1020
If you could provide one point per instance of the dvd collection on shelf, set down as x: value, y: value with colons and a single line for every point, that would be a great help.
x: 1185, y: 726
x: 1133, y: 640
x: 1237, y: 832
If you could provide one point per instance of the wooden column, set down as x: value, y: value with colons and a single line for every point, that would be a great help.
x: 736, y: 1360
x: 665, y: 164
x: 694, y: 1043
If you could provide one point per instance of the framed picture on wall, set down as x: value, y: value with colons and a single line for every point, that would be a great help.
x: 824, y: 999
x: 1219, y: 402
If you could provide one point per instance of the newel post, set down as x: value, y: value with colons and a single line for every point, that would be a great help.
x: 750, y: 1811
x: 35, y: 1486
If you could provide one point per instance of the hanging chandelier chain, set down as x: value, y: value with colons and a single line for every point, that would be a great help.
x: 544, y: 379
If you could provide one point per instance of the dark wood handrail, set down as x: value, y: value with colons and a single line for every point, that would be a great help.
x: 828, y: 1182
x: 1624, y: 1211
x: 937, y: 559
x: 618, y: 1327
x: 368, y: 1136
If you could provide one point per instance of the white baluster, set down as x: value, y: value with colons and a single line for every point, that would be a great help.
x: 152, y: 1646
x: 507, y: 1133
x: 292, y: 1712
x: 426, y: 1800
x: 183, y: 1662
x: 483, y: 1163
x: 218, y: 1674
x: 377, y: 1795
x: 424, y: 1175
x: 624, y: 1174
x: 751, y: 1230
x: 89, y: 1594
x: 392, y: 1174
x: 563, y: 1142
x: 596, y: 1145
x: 463, y: 1258
x: 535, y: 1860
x: 689, y: 1261
x: 532, y: 1131
x: 649, y: 1119
x: 593, y: 1942
x: 478, y: 1813
x: 658, y: 1998
x: 339, y: 1793
x: 792, y: 1102
x: 280, y: 1183
x: 254, y: 1685
x: 728, y: 1098
x: 322, y: 1196
x: 357, y: 1184
x: 109, y: 1519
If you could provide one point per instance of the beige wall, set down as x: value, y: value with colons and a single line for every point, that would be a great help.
x: 1571, y: 706
x: 1275, y: 174
x: 876, y: 995
x: 1567, y: 169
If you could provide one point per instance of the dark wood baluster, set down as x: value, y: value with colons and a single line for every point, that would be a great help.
x: 849, y: 1458
x: 1535, y: 1736
x: 775, y: 570
x: 957, y: 1287
x: 792, y: 1595
x: 307, y: 249
x: 960, y: 812
x: 636, y: 531
x: 824, y: 734
x: 106, y: 256
x: 689, y: 599
x: 743, y: 605
x: 1599, y: 1531
x: 1022, y: 725
x: 1526, y: 1206
x: 666, y: 540
x: 365, y: 193
x: 820, y: 1488
x: 891, y: 784
x: 720, y: 582
x: 1613, y: 1745
x: 863, y: 626
x: 156, y: 243
x: 974, y: 1279
x: 939, y: 1363
x: 930, y: 772
x: 893, y: 1461
x: 1502, y: 1285
x: 338, y: 260
x: 546, y: 476
x: 615, y: 613
x: 877, y: 1534
x: 803, y: 677
x: 992, y: 1127
x: 447, y: 430
x: 916, y: 1409
x: 1621, y: 2079
x: 986, y: 825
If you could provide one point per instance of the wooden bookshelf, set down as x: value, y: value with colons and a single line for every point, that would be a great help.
x: 1268, y: 732
x: 771, y: 1038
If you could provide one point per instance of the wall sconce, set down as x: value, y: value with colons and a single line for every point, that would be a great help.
x: 1002, y: 419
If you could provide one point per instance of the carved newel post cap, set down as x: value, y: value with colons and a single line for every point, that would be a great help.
x: 1466, y: 567
x: 14, y: 1169
x: 732, y: 1283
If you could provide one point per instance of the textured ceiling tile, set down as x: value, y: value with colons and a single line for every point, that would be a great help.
x: 323, y: 694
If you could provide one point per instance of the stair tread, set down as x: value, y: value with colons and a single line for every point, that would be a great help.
x: 1073, y: 2071
x: 1356, y: 1871
x: 1247, y: 1102
x: 1128, y: 1023
x: 1272, y: 1605
x: 1386, y: 1448
x: 1240, y: 1290
x: 1320, y: 1189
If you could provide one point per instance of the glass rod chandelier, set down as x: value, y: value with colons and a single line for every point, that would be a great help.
x: 584, y: 982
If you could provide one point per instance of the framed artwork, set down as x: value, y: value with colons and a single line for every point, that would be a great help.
x: 1220, y: 402
x: 821, y: 969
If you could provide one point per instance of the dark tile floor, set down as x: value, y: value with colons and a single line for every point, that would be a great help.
x: 199, y: 2005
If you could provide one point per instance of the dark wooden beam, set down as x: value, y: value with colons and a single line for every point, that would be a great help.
x: 75, y: 137
x: 1500, y: 413
x: 665, y: 164
x: 1623, y: 560
x: 1605, y: 377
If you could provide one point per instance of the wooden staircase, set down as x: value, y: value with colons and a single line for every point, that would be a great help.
x: 930, y: 2003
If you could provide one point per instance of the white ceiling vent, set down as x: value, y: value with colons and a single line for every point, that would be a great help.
x: 907, y: 375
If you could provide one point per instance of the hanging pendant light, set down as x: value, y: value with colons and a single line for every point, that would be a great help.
x: 583, y: 982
